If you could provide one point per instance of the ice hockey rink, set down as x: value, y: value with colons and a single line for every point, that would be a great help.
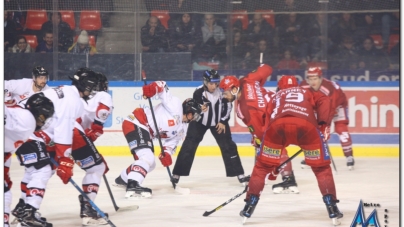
x: 374, y: 180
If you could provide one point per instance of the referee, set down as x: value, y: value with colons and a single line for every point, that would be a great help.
x: 215, y: 116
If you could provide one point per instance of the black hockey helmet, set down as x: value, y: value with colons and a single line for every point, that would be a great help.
x: 39, y: 71
x: 191, y: 106
x: 85, y: 79
x: 211, y: 76
x: 102, y: 82
x: 41, y: 107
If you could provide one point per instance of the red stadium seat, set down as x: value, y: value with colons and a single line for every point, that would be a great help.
x: 91, y: 39
x: 268, y: 15
x: 35, y: 19
x: 322, y: 65
x: 162, y: 15
x: 242, y: 16
x: 32, y: 41
x: 68, y: 17
x: 90, y: 20
x: 213, y: 65
x: 393, y: 40
x: 377, y: 41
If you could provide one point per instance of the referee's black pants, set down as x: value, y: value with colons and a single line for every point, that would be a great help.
x: 195, y: 134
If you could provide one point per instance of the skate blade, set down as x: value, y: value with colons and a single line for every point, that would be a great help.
x: 290, y: 190
x: 350, y: 168
x: 335, y: 221
x: 182, y: 191
x: 119, y: 185
x: 135, y: 196
x: 93, y: 222
x: 14, y: 222
x: 243, y: 220
x: 305, y: 166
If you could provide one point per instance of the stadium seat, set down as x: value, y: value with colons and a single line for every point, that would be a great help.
x: 90, y: 20
x: 35, y: 19
x: 268, y: 15
x: 377, y: 41
x: 68, y: 17
x: 393, y: 40
x: 242, y: 16
x: 322, y: 65
x: 91, y: 39
x: 213, y: 65
x: 162, y: 15
x: 32, y: 41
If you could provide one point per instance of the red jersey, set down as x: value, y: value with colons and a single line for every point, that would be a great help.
x: 331, y: 89
x: 252, y: 104
x: 302, y: 103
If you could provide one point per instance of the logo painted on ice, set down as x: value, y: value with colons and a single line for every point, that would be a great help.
x: 359, y: 218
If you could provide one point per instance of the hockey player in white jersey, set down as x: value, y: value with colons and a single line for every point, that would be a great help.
x: 68, y: 107
x: 19, y: 124
x: 17, y: 90
x: 139, y: 130
x: 85, y: 154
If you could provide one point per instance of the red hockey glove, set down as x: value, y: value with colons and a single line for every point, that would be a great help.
x: 273, y: 175
x: 151, y: 89
x: 95, y: 131
x: 166, y: 159
x: 65, y: 169
x: 325, y: 129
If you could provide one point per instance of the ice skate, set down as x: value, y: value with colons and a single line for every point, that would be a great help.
x: 119, y: 182
x: 350, y: 162
x: 332, y: 209
x: 135, y: 191
x: 288, y: 185
x: 88, y: 215
x: 304, y: 165
x: 28, y: 216
x: 243, y: 179
x: 249, y: 208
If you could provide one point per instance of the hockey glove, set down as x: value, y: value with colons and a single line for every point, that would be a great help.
x: 325, y: 130
x: 95, y: 131
x: 166, y: 159
x: 65, y: 169
x: 151, y: 89
x: 274, y: 174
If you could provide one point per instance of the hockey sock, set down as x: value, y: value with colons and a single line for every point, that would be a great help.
x: 325, y: 180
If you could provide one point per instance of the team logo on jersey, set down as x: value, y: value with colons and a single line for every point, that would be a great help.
x: 171, y: 122
x: 85, y: 162
x: 133, y: 144
x: 29, y: 158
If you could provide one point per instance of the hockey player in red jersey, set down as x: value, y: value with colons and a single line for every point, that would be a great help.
x: 293, y: 121
x: 139, y: 128
x: 339, y: 105
x: 252, y: 99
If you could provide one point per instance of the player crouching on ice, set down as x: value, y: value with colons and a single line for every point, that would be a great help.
x: 139, y: 130
x: 292, y: 121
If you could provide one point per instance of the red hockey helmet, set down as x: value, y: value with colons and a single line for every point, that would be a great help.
x: 314, y: 71
x: 287, y: 81
x: 228, y: 82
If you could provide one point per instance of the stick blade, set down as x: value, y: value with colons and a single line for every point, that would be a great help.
x: 207, y: 213
x: 127, y: 208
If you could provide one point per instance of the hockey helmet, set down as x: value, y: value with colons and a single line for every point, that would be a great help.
x: 211, y: 76
x: 41, y: 107
x: 228, y: 83
x: 191, y: 106
x: 39, y: 71
x: 85, y: 80
x: 102, y: 82
x: 287, y: 81
x: 314, y: 71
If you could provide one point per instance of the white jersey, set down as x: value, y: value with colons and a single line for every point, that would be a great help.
x: 91, y: 106
x: 19, y: 125
x: 21, y: 89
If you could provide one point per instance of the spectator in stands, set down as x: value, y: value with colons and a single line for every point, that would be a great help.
x: 10, y: 31
x: 316, y: 38
x: 238, y: 51
x: 346, y: 56
x: 368, y: 24
x: 176, y: 6
x: 46, y: 45
x: 345, y: 26
x: 82, y: 46
x: 65, y: 33
x: 260, y: 29
x: 395, y: 56
x: 288, y: 61
x: 371, y: 58
x: 153, y: 36
x: 184, y: 34
x: 253, y: 57
x: 390, y: 24
x: 21, y: 46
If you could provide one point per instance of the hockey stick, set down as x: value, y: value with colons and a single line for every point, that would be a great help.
x: 185, y: 191
x: 102, y: 214
x: 332, y: 160
x: 117, y: 209
x: 207, y: 213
